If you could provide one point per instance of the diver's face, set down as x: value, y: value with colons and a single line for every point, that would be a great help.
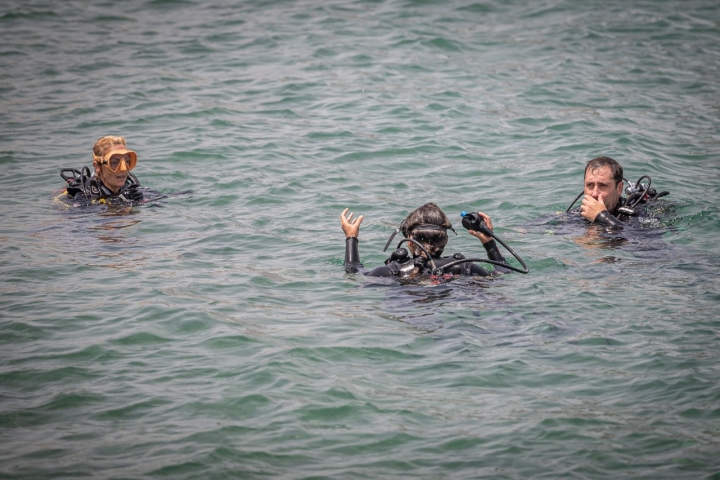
x: 600, y: 182
x: 115, y: 180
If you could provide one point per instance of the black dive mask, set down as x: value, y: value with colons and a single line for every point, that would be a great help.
x: 406, y: 231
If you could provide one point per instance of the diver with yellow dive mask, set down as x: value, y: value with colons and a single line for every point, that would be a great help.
x: 112, y: 181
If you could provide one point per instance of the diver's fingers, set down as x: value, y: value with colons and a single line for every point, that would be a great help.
x: 359, y: 220
x: 486, y: 219
x: 345, y: 218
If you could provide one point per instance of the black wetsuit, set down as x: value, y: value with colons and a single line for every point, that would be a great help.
x: 611, y: 218
x: 90, y: 188
x: 419, y: 265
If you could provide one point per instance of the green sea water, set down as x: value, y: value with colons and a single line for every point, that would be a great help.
x: 215, y: 334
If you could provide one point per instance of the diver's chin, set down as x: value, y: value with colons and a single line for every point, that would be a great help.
x: 116, y: 182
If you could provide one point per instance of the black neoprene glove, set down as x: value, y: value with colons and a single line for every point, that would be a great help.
x: 133, y: 193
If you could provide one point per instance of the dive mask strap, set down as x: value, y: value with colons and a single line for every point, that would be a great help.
x: 423, y: 225
x: 431, y: 226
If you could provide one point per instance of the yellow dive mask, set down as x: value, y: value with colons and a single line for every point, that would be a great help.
x: 120, y: 156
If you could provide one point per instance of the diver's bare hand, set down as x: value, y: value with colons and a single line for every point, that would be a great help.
x: 591, y: 208
x: 483, y: 238
x: 350, y: 227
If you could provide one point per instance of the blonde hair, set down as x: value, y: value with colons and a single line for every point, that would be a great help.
x: 104, y: 145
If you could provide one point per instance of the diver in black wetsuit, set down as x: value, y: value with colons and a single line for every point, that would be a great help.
x: 603, y: 188
x: 602, y: 194
x: 425, y: 232
x: 111, y: 182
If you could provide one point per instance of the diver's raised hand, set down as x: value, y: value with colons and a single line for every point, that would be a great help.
x: 350, y: 226
x: 591, y: 208
x: 486, y: 219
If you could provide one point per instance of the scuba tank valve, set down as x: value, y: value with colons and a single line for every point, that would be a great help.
x: 401, y: 255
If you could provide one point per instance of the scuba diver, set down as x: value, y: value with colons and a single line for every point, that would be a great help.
x: 111, y: 182
x: 425, y: 232
x: 603, y: 202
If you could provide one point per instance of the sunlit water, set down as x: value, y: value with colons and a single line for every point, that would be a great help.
x: 214, y: 333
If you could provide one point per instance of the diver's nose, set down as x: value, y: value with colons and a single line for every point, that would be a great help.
x: 123, y: 167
